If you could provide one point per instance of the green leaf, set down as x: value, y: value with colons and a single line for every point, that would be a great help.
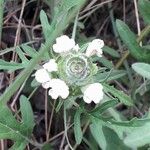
x: 135, y: 122
x: 46, y: 28
x: 27, y: 114
x: 96, y: 130
x: 29, y: 50
x: 129, y: 39
x: 104, y: 61
x: 139, y: 136
x: 10, y: 128
x: 111, y: 51
x: 144, y: 8
x: 112, y: 139
x: 19, y: 145
x: 4, y: 65
x: 47, y: 146
x: 21, y: 55
x: 125, y: 99
x: 143, y: 69
x: 104, y: 106
x: 77, y: 127
x: 109, y: 75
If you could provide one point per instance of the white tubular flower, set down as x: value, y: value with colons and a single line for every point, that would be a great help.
x: 63, y: 44
x: 51, y: 66
x: 93, y: 92
x: 42, y: 76
x: 95, y: 47
x: 58, y: 88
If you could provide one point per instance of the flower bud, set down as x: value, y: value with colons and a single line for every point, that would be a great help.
x: 76, y: 69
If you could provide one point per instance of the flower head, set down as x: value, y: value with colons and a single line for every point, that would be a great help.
x: 51, y: 65
x: 58, y: 88
x: 93, y: 92
x: 95, y: 47
x: 63, y: 44
x: 42, y: 76
x: 73, y: 68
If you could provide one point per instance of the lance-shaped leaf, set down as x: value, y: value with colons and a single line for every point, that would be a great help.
x: 77, y: 127
x: 118, y: 94
x: 144, y: 8
x: 129, y: 39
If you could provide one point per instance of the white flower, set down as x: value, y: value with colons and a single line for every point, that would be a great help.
x: 51, y: 66
x: 76, y: 48
x: 42, y: 76
x: 63, y: 44
x: 95, y: 47
x: 58, y: 88
x: 93, y: 92
x: 46, y: 85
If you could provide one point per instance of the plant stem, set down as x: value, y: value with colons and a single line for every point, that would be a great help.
x: 144, y: 33
x: 75, y: 26
x: 26, y: 72
x: 1, y: 17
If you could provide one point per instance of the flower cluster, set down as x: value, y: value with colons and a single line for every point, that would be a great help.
x: 72, y: 68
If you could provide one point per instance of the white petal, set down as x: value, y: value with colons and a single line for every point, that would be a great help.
x: 87, y: 99
x: 95, y: 47
x: 53, y: 94
x: 51, y: 66
x: 42, y: 76
x: 76, y: 48
x: 98, y: 42
x: 93, y: 92
x: 46, y: 85
x: 58, y: 88
x: 63, y: 44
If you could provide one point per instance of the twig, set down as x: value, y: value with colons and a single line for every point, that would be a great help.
x: 93, y: 9
x: 59, y: 134
x: 137, y: 17
x: 46, y: 122
x: 2, y: 145
x: 62, y: 142
x: 16, y: 97
x: 75, y: 26
x: 17, y: 38
x: 1, y: 17
x: 50, y: 122
x: 66, y: 126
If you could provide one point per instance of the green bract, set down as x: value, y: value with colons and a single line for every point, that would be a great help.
x: 76, y: 69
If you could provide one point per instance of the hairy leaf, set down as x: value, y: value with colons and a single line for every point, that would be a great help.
x: 77, y: 127
x: 143, y: 69
x: 118, y: 94
x: 129, y: 39
x: 144, y: 7
x: 10, y: 128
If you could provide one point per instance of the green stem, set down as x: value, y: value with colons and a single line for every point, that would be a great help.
x: 26, y: 72
x: 1, y: 17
